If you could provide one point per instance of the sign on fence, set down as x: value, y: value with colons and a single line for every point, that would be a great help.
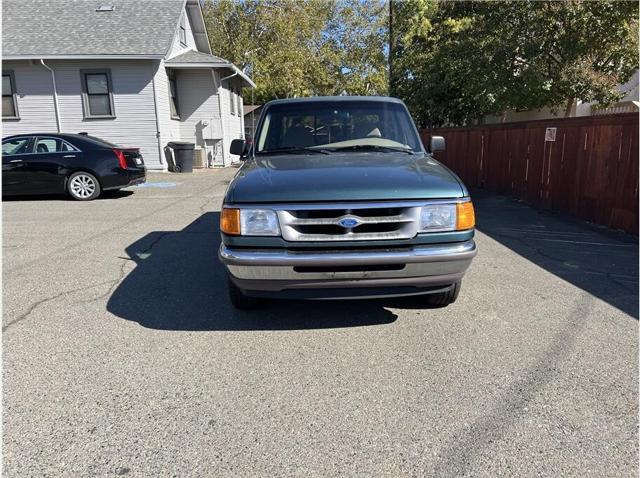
x: 550, y: 134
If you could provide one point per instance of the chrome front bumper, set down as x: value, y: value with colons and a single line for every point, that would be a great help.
x: 418, y: 266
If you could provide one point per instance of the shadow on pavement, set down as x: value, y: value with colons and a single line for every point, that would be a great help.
x: 36, y: 197
x: 179, y: 284
x: 112, y: 194
x: 600, y: 261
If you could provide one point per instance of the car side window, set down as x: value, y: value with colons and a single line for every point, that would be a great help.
x: 53, y: 145
x: 15, y: 146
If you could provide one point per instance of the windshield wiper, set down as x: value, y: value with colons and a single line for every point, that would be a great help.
x: 295, y: 150
x: 372, y: 147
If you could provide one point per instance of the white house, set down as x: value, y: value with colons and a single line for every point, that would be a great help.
x: 134, y: 72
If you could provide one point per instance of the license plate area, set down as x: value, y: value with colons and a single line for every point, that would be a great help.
x: 354, y: 268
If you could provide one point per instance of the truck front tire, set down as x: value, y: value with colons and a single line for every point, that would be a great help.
x: 238, y: 299
x: 443, y: 299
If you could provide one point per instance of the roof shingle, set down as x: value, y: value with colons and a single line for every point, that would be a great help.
x: 193, y: 56
x: 73, y: 27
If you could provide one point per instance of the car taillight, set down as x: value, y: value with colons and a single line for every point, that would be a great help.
x: 121, y: 158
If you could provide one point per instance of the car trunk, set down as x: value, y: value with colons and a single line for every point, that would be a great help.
x: 133, y: 157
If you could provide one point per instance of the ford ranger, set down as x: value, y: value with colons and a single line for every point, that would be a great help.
x: 338, y: 199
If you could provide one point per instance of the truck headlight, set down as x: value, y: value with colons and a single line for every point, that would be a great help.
x: 259, y: 222
x: 438, y: 217
x: 447, y: 217
x: 249, y: 222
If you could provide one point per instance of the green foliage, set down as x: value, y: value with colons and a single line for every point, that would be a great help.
x: 356, y: 41
x: 303, y: 47
x: 455, y: 62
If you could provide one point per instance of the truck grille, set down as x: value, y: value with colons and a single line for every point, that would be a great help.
x: 356, y: 223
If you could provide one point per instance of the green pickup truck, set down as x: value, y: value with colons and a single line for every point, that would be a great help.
x: 338, y: 199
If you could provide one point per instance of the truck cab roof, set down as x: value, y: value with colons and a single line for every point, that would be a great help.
x: 321, y: 99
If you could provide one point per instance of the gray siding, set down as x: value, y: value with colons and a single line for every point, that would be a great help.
x: 140, y: 97
x: 135, y: 122
x: 169, y: 128
x: 233, y: 123
x: 34, y: 98
x: 176, y: 46
x: 198, y: 103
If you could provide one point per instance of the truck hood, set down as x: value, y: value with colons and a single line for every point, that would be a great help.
x: 361, y: 176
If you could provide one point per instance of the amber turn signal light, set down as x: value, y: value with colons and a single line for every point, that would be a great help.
x: 230, y: 221
x: 466, y: 216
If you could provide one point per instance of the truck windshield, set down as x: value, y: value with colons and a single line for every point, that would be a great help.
x: 337, y: 125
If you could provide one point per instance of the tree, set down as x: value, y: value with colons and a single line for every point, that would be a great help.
x: 302, y: 47
x: 278, y: 40
x: 459, y: 61
x: 356, y: 40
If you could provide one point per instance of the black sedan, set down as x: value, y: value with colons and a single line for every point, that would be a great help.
x: 79, y: 164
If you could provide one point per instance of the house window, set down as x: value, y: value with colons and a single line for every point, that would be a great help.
x: 239, y: 97
x: 97, y: 94
x: 232, y: 102
x: 183, y: 32
x: 173, y: 97
x: 9, y: 102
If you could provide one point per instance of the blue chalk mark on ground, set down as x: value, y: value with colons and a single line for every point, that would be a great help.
x: 160, y: 185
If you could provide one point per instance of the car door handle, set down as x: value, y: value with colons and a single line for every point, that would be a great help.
x: 15, y: 161
x: 69, y: 156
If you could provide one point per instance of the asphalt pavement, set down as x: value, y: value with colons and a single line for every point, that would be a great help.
x: 122, y: 355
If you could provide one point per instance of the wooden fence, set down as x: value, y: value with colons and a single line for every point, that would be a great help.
x: 586, y: 167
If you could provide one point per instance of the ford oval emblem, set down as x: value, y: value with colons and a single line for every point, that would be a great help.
x: 349, y: 222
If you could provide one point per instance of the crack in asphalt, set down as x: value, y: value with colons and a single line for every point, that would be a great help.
x: 155, y: 242
x: 202, y: 206
x: 125, y: 261
x: 100, y: 235
x: 37, y: 304
x: 608, y: 275
x: 511, y: 406
x: 202, y: 210
x: 122, y: 273
x: 114, y: 283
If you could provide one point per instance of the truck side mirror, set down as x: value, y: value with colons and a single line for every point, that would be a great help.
x: 237, y: 147
x: 437, y: 143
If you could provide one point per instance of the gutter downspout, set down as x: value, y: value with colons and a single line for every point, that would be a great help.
x: 227, y: 77
x: 221, y: 80
x: 55, y: 95
x: 155, y: 106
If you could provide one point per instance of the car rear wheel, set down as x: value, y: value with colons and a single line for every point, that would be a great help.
x: 83, y: 186
x: 443, y: 299
x: 238, y: 299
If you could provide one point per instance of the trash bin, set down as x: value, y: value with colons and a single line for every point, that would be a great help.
x: 182, y: 156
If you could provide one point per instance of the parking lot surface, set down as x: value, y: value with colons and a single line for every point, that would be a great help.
x: 123, y: 356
